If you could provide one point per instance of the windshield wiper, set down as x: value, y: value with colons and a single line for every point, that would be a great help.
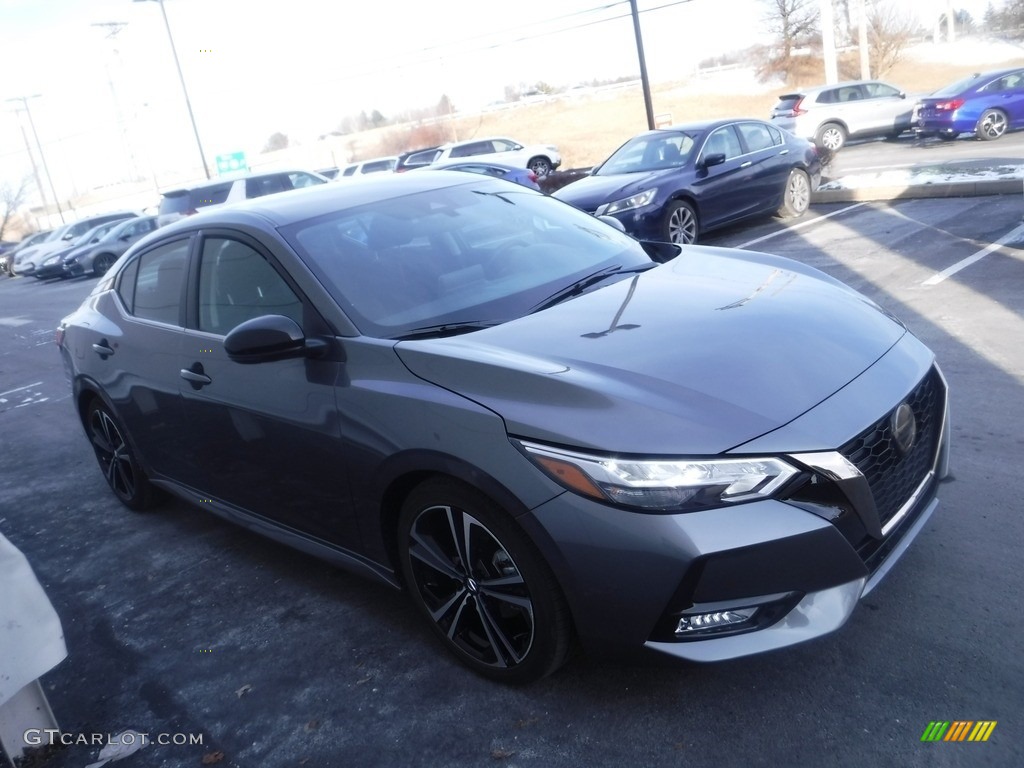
x: 446, y: 329
x: 585, y: 282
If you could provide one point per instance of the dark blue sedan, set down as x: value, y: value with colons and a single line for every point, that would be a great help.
x: 676, y: 183
x: 987, y: 104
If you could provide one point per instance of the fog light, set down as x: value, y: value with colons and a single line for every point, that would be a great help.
x: 708, y: 621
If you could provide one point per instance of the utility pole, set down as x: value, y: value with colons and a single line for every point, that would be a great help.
x: 42, y: 157
x: 113, y: 29
x: 644, y: 81
x: 862, y: 39
x: 828, y: 41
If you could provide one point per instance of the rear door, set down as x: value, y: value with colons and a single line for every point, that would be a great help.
x: 770, y: 163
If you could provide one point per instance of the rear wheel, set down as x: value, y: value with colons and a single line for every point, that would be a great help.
x: 992, y: 125
x: 680, y: 223
x: 831, y: 136
x: 540, y: 165
x: 797, y: 196
x: 117, y: 460
x: 481, y: 583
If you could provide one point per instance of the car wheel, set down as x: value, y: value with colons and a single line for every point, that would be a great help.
x: 117, y: 460
x: 992, y: 125
x: 481, y: 583
x: 680, y: 223
x: 831, y: 137
x: 102, y: 263
x: 540, y: 165
x: 797, y: 195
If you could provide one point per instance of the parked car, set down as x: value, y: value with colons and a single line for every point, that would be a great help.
x: 415, y: 159
x: 376, y: 165
x: 541, y: 159
x: 523, y: 176
x: 828, y: 115
x: 987, y: 104
x: 28, y: 260
x: 538, y: 426
x: 329, y: 173
x: 98, y: 257
x: 178, y: 203
x: 674, y: 184
x: 7, y: 258
x: 53, y: 265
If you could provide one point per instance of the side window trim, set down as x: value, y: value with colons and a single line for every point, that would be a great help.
x: 133, y: 268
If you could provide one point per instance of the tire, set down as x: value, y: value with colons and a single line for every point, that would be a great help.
x: 102, y: 263
x: 504, y: 617
x: 992, y: 125
x: 831, y: 137
x: 117, y: 459
x: 680, y: 224
x: 796, y: 197
x: 540, y: 165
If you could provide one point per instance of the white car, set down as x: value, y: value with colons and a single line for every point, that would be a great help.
x: 542, y: 159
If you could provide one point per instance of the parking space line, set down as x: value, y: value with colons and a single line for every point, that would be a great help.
x: 950, y: 271
x: 801, y: 225
x: 27, y: 386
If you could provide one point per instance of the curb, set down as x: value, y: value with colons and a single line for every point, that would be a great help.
x: 912, y: 192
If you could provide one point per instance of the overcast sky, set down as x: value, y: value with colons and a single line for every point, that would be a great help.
x: 300, y: 66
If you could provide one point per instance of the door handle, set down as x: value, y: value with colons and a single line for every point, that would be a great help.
x: 747, y: 164
x: 195, y: 376
x: 784, y: 152
x: 103, y: 349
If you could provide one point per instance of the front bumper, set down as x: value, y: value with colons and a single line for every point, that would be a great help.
x: 802, y: 562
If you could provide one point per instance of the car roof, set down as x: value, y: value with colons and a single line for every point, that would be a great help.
x: 319, y: 200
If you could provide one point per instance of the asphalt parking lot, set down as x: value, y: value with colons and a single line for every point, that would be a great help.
x: 180, y: 623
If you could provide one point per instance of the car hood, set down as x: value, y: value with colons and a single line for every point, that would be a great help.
x: 591, y: 191
x: 697, y: 356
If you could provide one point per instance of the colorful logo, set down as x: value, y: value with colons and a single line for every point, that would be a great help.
x: 959, y: 730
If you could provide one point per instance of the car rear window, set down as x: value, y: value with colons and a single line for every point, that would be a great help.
x: 788, y: 101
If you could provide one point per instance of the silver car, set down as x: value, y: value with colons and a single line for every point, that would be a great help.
x: 830, y: 114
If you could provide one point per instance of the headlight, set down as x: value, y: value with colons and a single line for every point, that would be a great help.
x: 51, y: 261
x: 664, y: 485
x: 639, y: 200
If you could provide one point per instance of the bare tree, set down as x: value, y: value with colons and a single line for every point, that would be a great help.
x: 275, y: 142
x: 11, y: 199
x: 793, y: 24
x: 890, y: 30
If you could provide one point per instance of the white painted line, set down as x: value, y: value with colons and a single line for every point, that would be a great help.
x: 963, y: 263
x: 801, y: 225
x: 27, y: 386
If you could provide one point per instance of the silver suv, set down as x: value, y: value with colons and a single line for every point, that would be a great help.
x: 830, y: 114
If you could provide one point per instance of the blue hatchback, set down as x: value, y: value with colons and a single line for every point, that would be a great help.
x: 676, y: 183
x: 987, y: 104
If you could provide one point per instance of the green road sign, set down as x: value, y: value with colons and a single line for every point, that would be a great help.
x: 233, y: 162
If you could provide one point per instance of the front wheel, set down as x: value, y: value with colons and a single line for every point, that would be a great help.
x: 797, y: 195
x: 102, y: 263
x: 481, y: 583
x: 117, y: 460
x: 540, y: 165
x: 680, y: 225
x: 992, y: 125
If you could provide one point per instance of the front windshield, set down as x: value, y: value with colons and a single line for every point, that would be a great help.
x: 650, y: 152
x: 483, y: 252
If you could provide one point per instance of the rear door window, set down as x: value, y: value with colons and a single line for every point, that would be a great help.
x: 159, y: 282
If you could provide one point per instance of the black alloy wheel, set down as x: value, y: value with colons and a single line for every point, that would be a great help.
x: 102, y: 263
x: 484, y: 588
x: 116, y: 459
x: 540, y: 165
x: 680, y: 225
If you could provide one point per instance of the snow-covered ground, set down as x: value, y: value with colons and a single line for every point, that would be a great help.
x: 929, y: 174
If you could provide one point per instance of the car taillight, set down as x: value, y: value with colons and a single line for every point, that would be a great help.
x: 952, y: 105
x: 796, y: 108
x: 531, y: 176
x: 60, y: 337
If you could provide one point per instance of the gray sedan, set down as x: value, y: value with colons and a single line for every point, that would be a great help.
x: 101, y: 256
x: 540, y: 428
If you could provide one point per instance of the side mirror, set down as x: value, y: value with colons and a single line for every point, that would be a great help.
x: 710, y: 160
x: 661, y: 252
x: 268, y: 338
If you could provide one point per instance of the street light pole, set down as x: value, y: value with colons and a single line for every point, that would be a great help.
x: 644, y: 81
x: 184, y: 89
x: 42, y: 157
